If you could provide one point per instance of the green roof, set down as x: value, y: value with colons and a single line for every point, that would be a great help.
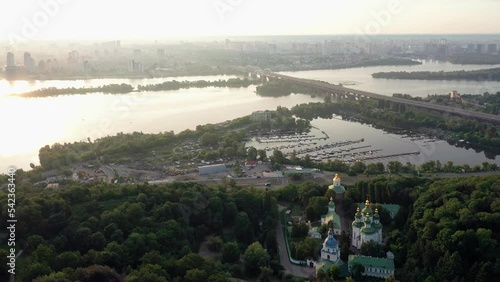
x: 337, y: 189
x: 371, y: 261
x: 392, y: 208
x: 331, y: 204
x: 333, y: 216
x: 357, y: 224
x: 325, y: 264
x: 369, y: 230
x: 316, y: 229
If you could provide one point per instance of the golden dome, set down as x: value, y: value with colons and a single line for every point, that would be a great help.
x: 336, y: 178
x: 357, y: 209
x: 367, y: 203
x: 376, y: 210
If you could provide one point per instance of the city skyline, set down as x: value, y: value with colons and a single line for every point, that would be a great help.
x: 92, y: 20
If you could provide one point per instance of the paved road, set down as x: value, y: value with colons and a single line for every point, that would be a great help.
x: 110, y: 173
x: 296, y: 270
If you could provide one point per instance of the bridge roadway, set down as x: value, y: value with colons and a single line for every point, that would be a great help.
x: 494, y: 119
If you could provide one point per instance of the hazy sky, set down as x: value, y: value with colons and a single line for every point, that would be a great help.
x: 122, y: 19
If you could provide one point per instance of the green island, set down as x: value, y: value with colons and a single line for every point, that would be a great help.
x: 480, y: 75
x: 486, y: 102
x: 176, y: 85
x: 53, y: 91
x: 127, y: 88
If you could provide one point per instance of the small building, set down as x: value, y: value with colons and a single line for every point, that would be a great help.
x: 314, y: 233
x: 299, y: 171
x: 261, y: 116
x: 250, y: 163
x: 331, y: 249
x: 212, y: 169
x: 330, y: 255
x: 454, y: 94
x: 337, y: 188
x: 332, y: 218
x: 376, y: 267
x: 52, y: 186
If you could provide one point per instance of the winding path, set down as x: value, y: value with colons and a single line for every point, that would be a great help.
x: 304, y: 272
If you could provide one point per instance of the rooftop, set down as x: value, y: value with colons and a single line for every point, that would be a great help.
x: 392, y: 208
x: 372, y: 261
x: 337, y: 188
x: 295, y: 171
x: 334, y: 217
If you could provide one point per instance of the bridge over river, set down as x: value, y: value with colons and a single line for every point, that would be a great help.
x: 398, y: 103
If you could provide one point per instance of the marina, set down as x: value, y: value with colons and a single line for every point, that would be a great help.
x: 297, y: 147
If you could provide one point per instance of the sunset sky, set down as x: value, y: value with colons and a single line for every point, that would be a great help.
x: 145, y: 19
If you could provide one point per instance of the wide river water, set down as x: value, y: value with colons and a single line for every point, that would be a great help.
x: 30, y: 123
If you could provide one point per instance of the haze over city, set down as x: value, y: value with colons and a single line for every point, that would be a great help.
x: 152, y: 19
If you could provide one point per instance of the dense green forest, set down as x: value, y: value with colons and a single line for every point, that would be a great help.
x: 144, y: 233
x: 452, y: 233
x: 480, y: 75
x: 446, y: 230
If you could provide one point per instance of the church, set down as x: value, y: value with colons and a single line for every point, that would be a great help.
x: 330, y: 250
x: 366, y: 226
x: 337, y: 188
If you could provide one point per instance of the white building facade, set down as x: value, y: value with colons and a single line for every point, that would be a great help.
x: 366, y: 226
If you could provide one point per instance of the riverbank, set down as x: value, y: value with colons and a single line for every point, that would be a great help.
x: 478, y: 75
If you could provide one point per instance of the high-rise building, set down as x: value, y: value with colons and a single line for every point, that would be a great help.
x: 10, y: 69
x: 492, y: 48
x: 135, y: 66
x: 29, y: 63
x: 10, y: 60
x: 481, y: 48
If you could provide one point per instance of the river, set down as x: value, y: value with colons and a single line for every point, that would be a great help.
x: 361, y: 79
x: 30, y: 123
